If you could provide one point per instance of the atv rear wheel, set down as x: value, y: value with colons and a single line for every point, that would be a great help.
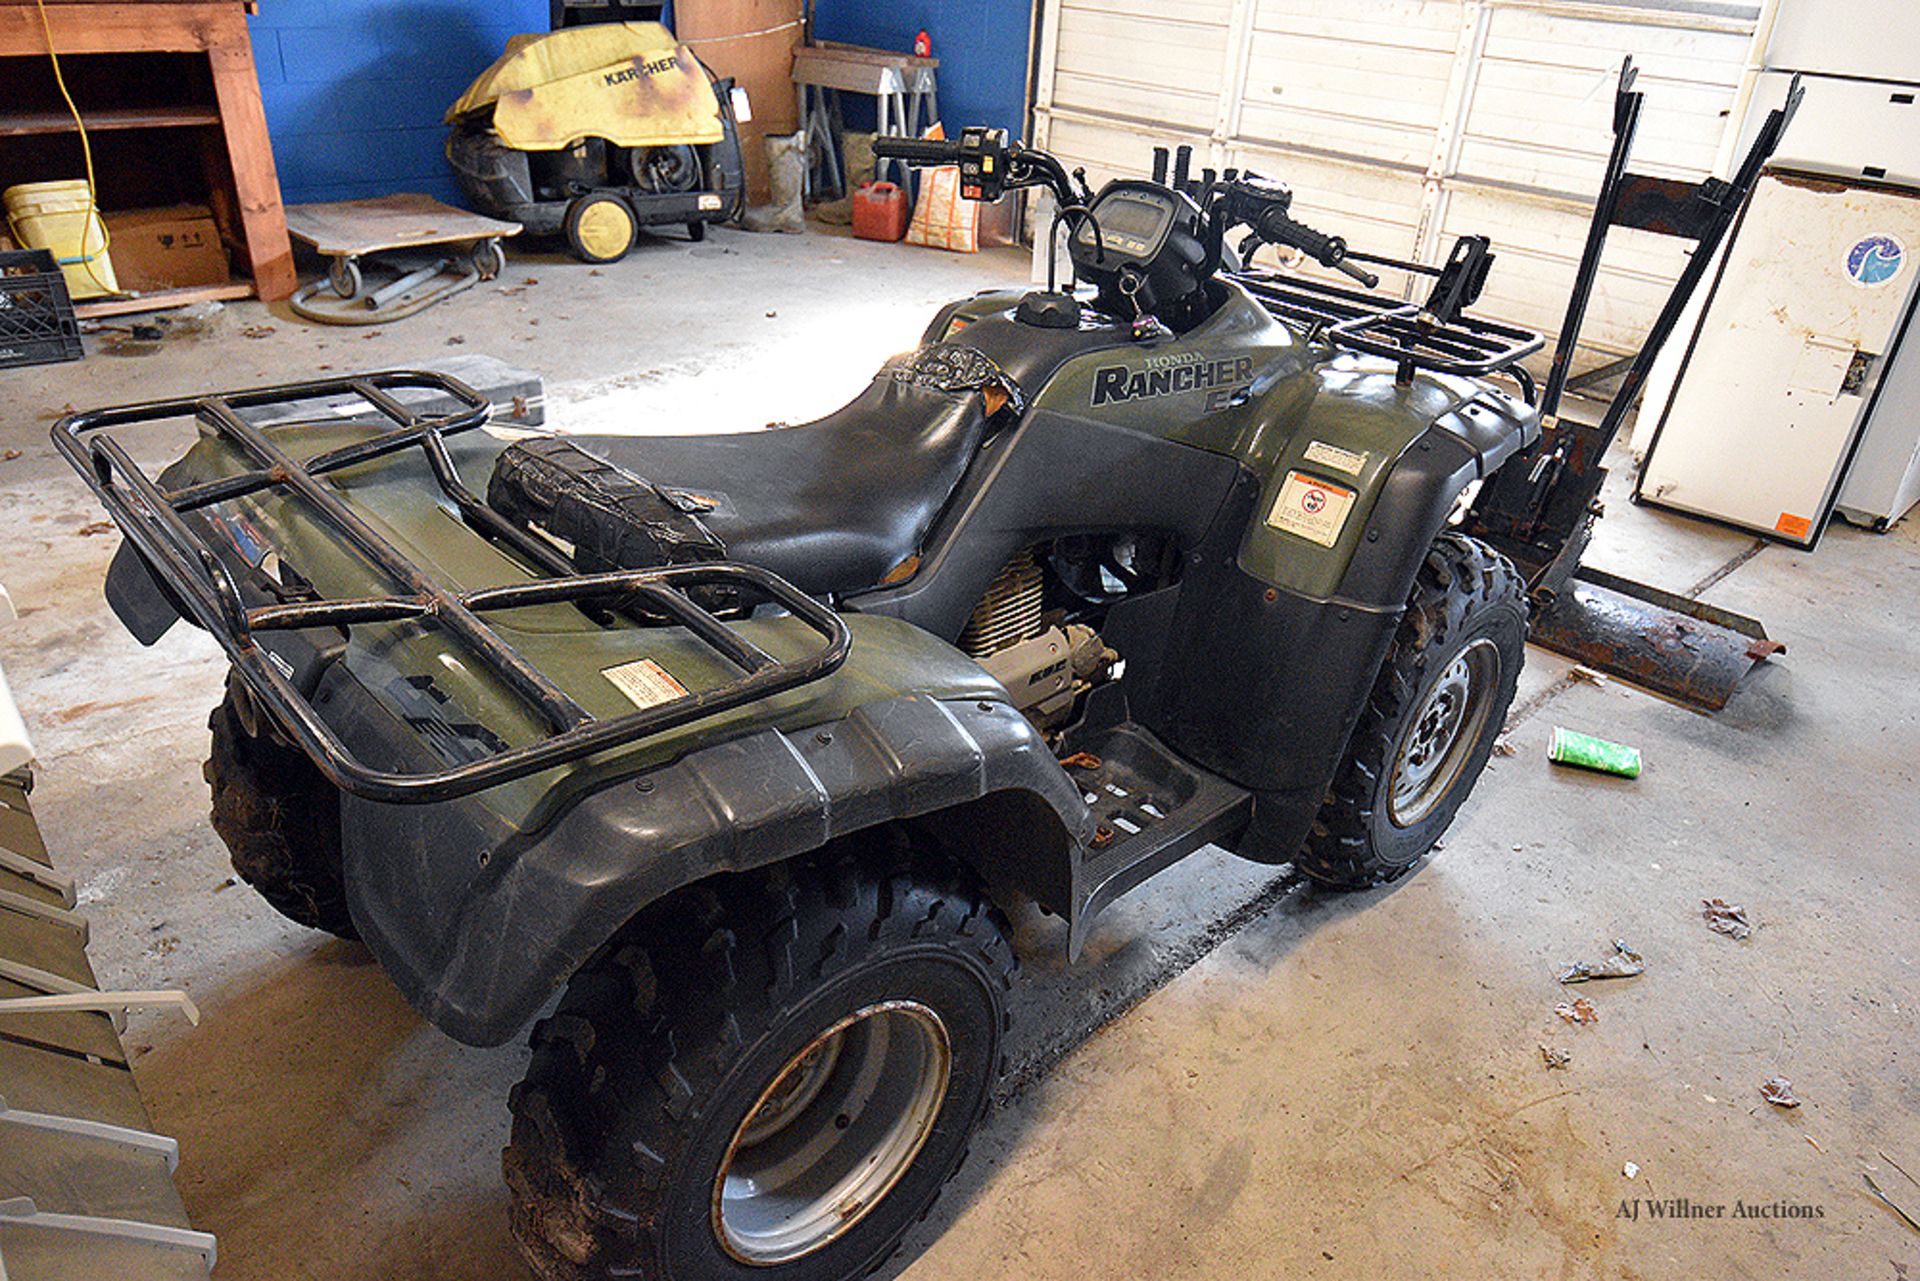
x: 280, y: 819
x: 775, y: 1087
x: 1437, y: 706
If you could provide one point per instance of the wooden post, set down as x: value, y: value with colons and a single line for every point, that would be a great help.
x: 752, y: 41
x: 263, y: 219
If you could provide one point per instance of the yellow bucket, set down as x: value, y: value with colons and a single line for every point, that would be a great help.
x: 61, y: 216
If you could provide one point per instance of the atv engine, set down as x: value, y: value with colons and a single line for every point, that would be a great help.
x: 1047, y: 659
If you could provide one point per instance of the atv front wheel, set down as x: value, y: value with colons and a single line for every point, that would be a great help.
x: 1437, y: 706
x: 280, y: 819
x: 773, y: 1082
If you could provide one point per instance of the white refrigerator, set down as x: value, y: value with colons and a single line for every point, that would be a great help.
x: 1795, y: 386
x: 1859, y: 124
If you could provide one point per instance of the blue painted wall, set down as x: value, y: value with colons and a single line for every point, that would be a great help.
x: 981, y: 44
x: 354, y: 89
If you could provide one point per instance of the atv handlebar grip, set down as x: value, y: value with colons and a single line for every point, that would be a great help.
x: 918, y: 151
x: 1328, y: 251
x: 1317, y: 245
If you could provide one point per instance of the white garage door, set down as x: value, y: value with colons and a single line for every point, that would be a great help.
x: 1401, y: 124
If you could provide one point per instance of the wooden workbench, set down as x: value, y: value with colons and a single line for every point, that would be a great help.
x: 226, y: 134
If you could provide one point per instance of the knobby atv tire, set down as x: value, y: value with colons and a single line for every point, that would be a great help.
x: 661, y: 1047
x: 1464, y: 592
x: 280, y: 819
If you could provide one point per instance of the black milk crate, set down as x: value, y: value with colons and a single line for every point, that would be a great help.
x: 37, y: 326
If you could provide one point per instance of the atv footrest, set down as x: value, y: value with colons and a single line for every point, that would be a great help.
x: 1152, y: 811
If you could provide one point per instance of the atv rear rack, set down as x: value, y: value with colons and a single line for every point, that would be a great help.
x: 1404, y: 332
x: 152, y: 518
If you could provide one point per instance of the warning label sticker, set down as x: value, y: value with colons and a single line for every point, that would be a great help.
x: 645, y: 682
x: 1311, y: 508
x: 1336, y: 458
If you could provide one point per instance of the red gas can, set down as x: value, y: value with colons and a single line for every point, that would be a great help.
x: 880, y: 212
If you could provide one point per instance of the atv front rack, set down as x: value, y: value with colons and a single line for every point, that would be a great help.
x: 1404, y: 332
x: 152, y: 518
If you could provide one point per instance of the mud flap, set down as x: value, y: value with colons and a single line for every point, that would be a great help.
x: 137, y: 598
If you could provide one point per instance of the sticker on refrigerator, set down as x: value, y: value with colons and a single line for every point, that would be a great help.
x: 1313, y: 509
x: 1875, y: 260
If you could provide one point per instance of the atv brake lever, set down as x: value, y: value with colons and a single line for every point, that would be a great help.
x: 1359, y: 273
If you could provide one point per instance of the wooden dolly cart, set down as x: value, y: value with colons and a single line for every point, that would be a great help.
x: 345, y: 231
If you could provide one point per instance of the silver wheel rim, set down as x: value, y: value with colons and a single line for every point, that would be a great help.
x: 832, y: 1133
x: 1438, y: 742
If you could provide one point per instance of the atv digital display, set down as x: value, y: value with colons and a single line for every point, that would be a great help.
x: 1132, y: 222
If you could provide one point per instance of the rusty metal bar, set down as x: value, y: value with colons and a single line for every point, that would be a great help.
x: 1687, y: 650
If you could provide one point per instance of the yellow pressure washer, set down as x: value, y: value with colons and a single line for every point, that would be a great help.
x: 596, y: 131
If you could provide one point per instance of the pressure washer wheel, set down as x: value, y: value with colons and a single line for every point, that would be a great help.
x: 775, y: 1088
x: 1429, y: 726
x: 696, y: 231
x: 600, y: 227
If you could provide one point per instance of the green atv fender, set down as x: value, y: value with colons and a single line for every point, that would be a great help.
x: 482, y: 906
x: 478, y: 943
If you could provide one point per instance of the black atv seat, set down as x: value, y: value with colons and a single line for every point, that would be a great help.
x: 835, y: 504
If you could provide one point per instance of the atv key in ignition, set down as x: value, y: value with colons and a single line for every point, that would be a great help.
x: 734, y: 741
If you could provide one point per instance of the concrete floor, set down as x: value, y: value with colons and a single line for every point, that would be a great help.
x: 1287, y: 1083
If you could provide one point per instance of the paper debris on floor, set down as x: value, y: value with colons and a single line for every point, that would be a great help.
x: 1579, y: 1012
x: 1778, y: 1091
x: 1725, y: 918
x: 1625, y: 963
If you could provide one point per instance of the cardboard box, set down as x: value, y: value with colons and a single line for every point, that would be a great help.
x: 171, y: 248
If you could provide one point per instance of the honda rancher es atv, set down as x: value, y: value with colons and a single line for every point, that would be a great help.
x: 734, y: 741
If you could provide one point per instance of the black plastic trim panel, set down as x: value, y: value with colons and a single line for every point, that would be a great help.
x: 479, y: 943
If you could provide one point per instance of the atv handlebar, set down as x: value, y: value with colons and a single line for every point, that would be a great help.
x: 917, y: 151
x: 1263, y: 206
x: 988, y: 163
x: 1277, y: 228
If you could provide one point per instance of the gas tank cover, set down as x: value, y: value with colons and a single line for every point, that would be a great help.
x: 1045, y: 310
